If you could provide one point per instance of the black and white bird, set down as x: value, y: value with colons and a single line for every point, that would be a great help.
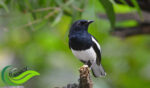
x: 85, y: 47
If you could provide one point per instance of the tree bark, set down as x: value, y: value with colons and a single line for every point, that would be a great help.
x: 85, y: 79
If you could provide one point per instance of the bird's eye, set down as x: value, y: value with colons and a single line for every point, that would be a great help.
x: 82, y: 22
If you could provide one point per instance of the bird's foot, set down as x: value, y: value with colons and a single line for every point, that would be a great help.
x: 85, y: 66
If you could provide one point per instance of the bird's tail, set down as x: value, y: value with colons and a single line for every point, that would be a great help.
x: 98, y: 70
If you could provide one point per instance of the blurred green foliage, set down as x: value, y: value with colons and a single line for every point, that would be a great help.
x: 36, y: 33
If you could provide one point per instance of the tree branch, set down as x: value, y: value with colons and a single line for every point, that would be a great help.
x: 143, y: 28
x: 144, y: 4
x: 129, y: 16
x: 84, y: 81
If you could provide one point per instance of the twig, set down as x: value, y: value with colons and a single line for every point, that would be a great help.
x: 31, y: 23
x: 78, y: 9
x: 45, y: 9
x: 51, y: 13
x: 39, y: 20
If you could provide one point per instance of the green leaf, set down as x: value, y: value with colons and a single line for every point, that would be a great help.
x: 4, y: 6
x: 134, y: 2
x: 109, y: 11
x: 57, y: 19
x: 124, y: 2
x: 118, y: 8
x: 127, y: 23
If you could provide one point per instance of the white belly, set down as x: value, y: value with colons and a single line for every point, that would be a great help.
x: 85, y: 55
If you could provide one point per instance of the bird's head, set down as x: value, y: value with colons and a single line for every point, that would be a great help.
x: 81, y: 25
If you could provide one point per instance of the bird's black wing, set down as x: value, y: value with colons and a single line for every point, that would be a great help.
x: 97, y: 50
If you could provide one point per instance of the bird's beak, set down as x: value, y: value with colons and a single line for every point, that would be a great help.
x: 90, y: 21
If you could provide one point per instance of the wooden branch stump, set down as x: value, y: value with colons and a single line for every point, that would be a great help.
x: 85, y: 80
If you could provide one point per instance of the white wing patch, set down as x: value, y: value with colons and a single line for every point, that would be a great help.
x: 85, y: 55
x: 96, y: 43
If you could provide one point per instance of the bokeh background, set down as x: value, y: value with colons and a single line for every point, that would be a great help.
x: 34, y: 33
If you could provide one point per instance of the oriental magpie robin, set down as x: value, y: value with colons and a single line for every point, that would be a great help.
x: 85, y: 47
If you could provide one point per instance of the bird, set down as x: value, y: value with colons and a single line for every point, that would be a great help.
x: 85, y: 47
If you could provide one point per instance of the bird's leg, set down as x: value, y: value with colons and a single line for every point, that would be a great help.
x: 89, y: 63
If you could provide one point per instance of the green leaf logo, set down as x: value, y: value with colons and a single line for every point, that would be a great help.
x: 19, y: 79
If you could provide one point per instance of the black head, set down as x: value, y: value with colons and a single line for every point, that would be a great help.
x: 81, y: 25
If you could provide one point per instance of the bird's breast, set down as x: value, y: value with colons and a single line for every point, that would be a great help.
x: 80, y: 42
x: 85, y: 55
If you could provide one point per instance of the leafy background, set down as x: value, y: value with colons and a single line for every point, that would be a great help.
x: 34, y: 33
